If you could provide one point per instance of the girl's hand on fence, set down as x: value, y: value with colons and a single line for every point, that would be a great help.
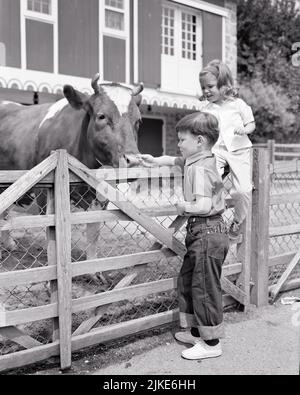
x: 180, y: 207
x: 240, y: 131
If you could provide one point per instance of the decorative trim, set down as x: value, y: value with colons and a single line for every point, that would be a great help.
x: 41, y: 82
x: 204, y: 6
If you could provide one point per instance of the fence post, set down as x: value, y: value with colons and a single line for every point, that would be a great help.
x: 51, y: 254
x: 260, y: 228
x: 272, y: 148
x: 63, y: 245
x: 244, y: 256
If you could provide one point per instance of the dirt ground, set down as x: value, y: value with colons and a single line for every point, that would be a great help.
x: 260, y: 342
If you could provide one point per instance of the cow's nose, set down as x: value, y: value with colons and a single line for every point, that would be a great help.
x: 132, y: 160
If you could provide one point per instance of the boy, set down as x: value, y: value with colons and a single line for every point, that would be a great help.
x: 207, y: 241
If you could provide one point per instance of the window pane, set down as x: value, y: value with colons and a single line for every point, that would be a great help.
x: 42, y: 6
x: 189, y: 40
x: 114, y: 20
x: 115, y: 3
x: 168, y: 33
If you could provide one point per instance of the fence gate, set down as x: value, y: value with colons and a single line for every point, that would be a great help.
x: 61, y: 170
x: 284, y: 220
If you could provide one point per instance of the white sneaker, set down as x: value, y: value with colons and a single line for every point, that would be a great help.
x: 202, y: 351
x: 187, y: 338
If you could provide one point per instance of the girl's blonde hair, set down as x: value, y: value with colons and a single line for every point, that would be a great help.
x: 223, y: 74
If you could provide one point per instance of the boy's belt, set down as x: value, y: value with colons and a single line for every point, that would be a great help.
x: 205, y: 220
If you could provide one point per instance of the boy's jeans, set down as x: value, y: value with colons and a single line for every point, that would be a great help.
x: 199, y: 285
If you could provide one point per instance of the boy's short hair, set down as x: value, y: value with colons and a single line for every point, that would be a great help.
x: 201, y: 124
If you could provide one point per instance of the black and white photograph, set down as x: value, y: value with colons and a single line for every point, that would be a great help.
x: 149, y: 190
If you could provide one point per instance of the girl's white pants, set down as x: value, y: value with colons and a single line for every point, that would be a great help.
x: 240, y: 163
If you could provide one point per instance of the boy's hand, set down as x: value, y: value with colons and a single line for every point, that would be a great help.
x: 240, y: 131
x: 180, y: 206
x: 146, y: 160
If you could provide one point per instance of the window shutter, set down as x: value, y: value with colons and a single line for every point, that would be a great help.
x: 10, y: 34
x: 114, y: 54
x: 132, y: 22
x: 78, y: 25
x: 39, y: 57
x: 212, y: 37
x: 149, y: 36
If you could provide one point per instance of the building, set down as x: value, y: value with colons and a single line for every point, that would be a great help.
x: 45, y: 44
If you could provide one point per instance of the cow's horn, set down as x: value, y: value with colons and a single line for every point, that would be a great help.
x: 95, y: 84
x: 138, y: 89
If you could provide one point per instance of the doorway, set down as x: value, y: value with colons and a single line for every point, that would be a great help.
x: 151, y: 137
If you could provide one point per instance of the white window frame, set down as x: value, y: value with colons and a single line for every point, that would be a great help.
x: 197, y: 4
x: 125, y: 12
x: 177, y: 57
x: 40, y: 17
x: 179, y: 10
x: 115, y: 33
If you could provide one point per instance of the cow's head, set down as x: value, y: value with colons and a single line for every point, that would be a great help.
x: 111, y: 123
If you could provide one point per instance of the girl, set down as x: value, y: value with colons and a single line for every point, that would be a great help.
x: 233, y: 147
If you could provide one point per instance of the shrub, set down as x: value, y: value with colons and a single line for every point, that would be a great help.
x: 265, y: 58
x: 271, y: 108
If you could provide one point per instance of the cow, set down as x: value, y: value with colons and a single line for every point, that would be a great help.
x: 100, y: 130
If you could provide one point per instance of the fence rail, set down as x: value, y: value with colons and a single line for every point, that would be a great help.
x: 284, y: 230
x: 279, y: 152
x: 80, y: 275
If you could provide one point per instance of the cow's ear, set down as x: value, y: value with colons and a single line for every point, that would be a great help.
x: 138, y: 100
x: 75, y: 98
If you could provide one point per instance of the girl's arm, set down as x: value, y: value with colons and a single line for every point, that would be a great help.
x: 250, y: 128
x: 245, y: 130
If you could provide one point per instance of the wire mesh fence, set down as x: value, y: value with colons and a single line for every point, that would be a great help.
x: 120, y: 238
x: 29, y: 247
x: 284, y: 214
x: 21, y: 249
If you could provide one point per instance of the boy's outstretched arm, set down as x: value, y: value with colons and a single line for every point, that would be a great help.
x: 150, y: 161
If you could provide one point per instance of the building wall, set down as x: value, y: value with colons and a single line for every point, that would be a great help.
x: 78, y: 40
x: 10, y: 31
x: 79, y: 51
x: 78, y: 27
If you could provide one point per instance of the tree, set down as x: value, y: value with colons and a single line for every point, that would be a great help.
x: 267, y: 29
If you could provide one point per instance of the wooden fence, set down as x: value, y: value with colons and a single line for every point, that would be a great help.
x: 58, y: 172
x: 284, y: 160
x: 280, y: 152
